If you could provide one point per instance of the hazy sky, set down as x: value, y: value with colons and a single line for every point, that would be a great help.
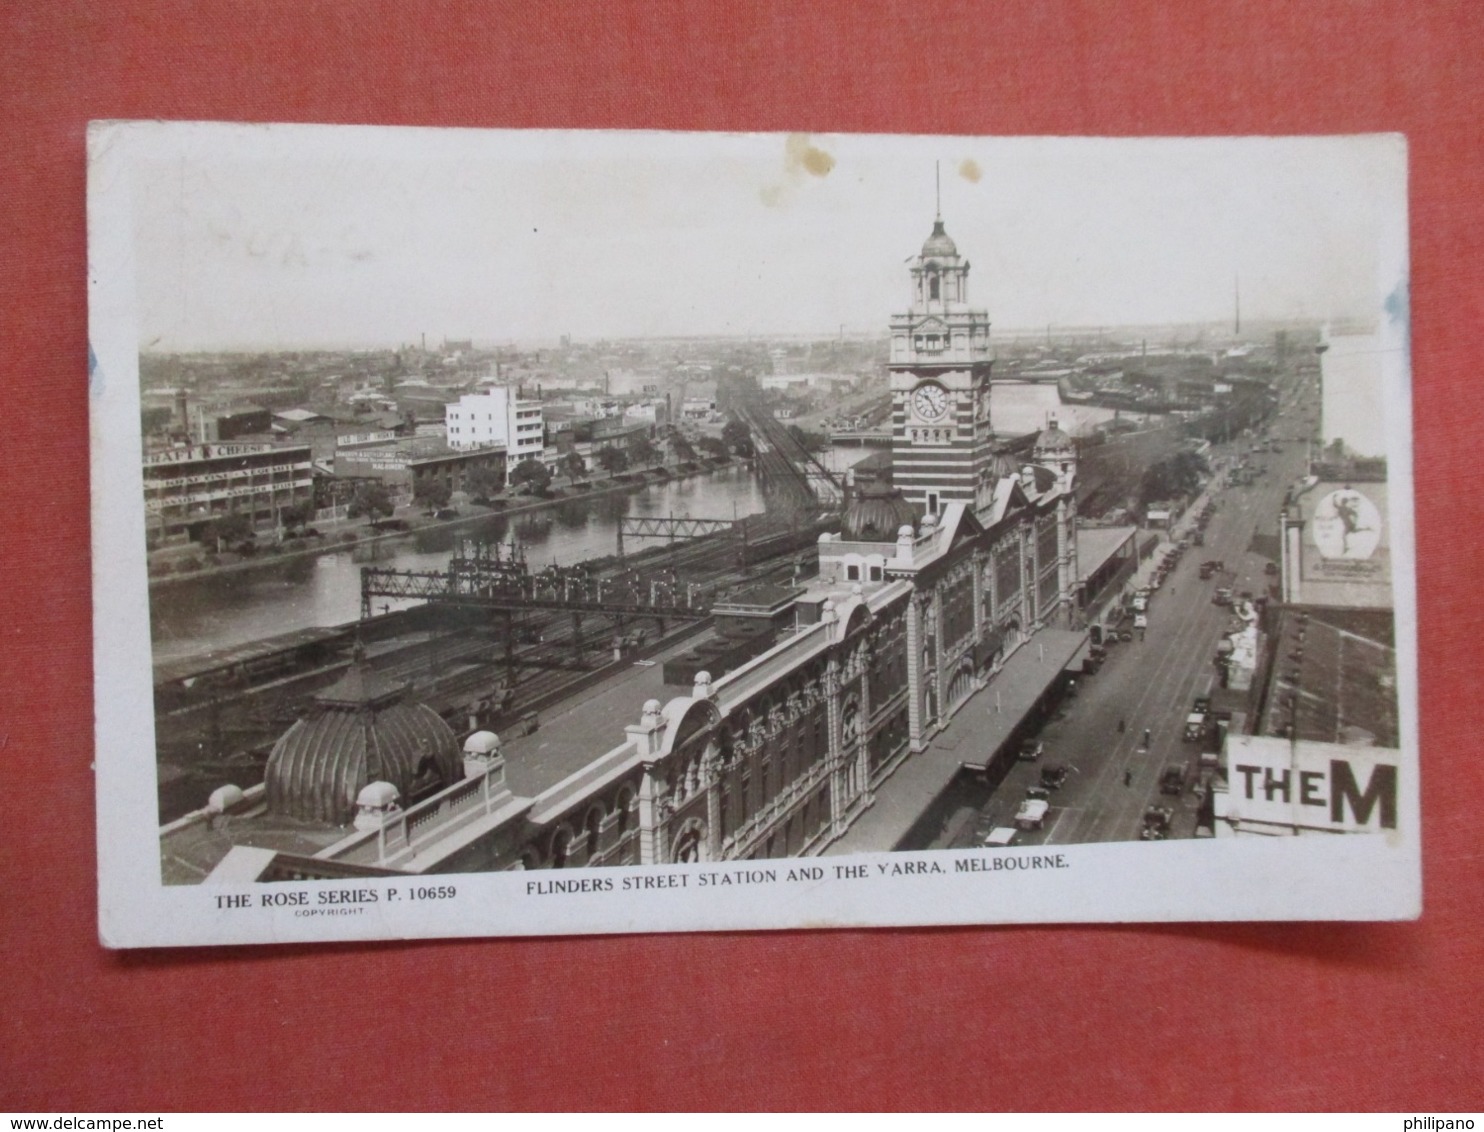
x: 302, y: 235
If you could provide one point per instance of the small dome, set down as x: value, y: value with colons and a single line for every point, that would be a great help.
x: 377, y: 796
x: 1052, y: 439
x: 939, y: 245
x: 223, y: 798
x: 874, y: 516
x: 482, y: 743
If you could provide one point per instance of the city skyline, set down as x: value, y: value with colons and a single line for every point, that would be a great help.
x: 253, y: 238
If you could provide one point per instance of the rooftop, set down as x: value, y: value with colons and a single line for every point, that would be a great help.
x: 1095, y: 545
x: 583, y: 727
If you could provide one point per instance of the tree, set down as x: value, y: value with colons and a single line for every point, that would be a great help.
x: 684, y: 451
x: 574, y: 465
x: 533, y: 472
x: 226, y: 529
x: 807, y: 440
x: 296, y: 515
x: 737, y: 436
x: 614, y: 460
x: 372, y: 500
x: 1181, y: 474
x: 432, y: 493
x: 482, y: 481
x: 643, y: 451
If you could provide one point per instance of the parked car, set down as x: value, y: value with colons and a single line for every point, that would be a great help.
x: 1000, y: 837
x: 1030, y: 749
x: 1157, y: 821
x: 1172, y: 780
x: 1053, y: 775
x: 1032, y: 814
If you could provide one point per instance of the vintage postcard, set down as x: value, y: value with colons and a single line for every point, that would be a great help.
x: 530, y: 532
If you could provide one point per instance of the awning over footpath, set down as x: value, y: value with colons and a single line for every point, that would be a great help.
x: 981, y: 727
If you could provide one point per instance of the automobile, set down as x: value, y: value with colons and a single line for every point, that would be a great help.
x: 1270, y: 568
x: 1001, y: 837
x: 1030, y: 750
x: 1172, y: 779
x: 1157, y: 823
x: 1140, y: 621
x: 1041, y: 792
x: 1195, y: 727
x: 1053, y: 775
x: 1032, y: 814
x: 1222, y: 596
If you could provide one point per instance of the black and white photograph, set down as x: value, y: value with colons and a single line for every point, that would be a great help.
x: 543, y: 532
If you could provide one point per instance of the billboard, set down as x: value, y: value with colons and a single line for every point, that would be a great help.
x: 1338, y: 532
x: 1278, y: 786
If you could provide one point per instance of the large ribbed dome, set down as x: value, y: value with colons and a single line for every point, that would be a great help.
x: 359, y: 731
x: 939, y: 245
x: 877, y: 515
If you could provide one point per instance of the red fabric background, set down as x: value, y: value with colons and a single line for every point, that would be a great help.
x: 1290, y: 1016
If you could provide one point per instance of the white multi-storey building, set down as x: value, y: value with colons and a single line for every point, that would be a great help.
x: 497, y: 416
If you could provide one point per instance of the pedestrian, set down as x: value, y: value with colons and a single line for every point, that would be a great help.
x: 1146, y: 737
x: 1128, y: 778
x: 1121, y: 726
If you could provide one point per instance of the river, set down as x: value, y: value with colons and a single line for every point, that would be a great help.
x: 197, y: 616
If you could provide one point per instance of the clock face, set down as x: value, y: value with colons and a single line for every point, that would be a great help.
x: 930, y: 401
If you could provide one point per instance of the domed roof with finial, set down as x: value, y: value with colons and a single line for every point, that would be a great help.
x: 939, y: 245
x: 876, y: 515
x: 360, y: 730
x: 1052, y: 438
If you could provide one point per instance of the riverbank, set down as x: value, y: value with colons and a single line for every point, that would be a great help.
x: 188, y: 563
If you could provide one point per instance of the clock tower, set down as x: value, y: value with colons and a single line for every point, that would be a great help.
x: 941, y: 447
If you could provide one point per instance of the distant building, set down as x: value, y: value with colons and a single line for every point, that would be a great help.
x: 1353, y: 373
x: 186, y: 488
x: 405, y: 464
x: 500, y: 416
x: 208, y: 425
x: 655, y: 412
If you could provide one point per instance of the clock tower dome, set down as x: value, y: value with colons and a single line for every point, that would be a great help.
x: 941, y: 445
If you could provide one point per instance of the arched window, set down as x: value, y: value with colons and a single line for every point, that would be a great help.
x: 625, y: 800
x: 932, y: 286
x: 594, y: 825
x: 561, y: 842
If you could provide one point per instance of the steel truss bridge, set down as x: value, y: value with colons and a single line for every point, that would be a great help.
x: 793, y: 478
x: 675, y: 529
x: 483, y: 577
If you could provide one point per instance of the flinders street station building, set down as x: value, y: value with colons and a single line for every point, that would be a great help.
x: 952, y: 592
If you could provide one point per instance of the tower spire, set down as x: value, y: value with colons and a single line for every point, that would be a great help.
x: 937, y: 194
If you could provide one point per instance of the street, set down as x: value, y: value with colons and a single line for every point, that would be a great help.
x: 1150, y: 683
